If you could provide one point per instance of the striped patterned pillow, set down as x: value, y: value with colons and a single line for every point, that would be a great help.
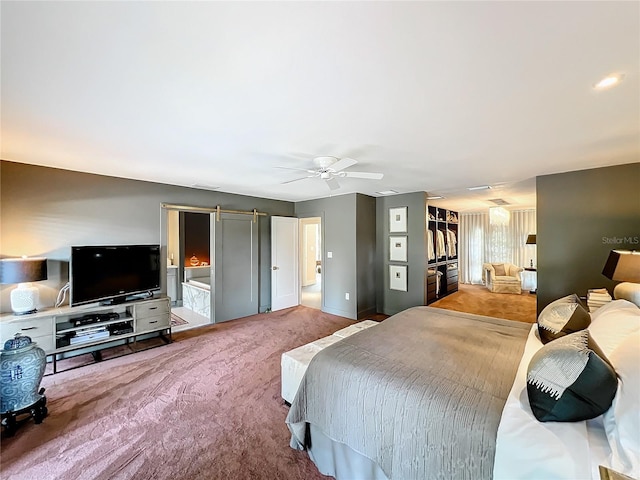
x: 561, y: 317
x: 570, y: 379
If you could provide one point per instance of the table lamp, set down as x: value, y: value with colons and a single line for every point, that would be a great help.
x: 531, y: 240
x: 624, y: 266
x: 24, y: 298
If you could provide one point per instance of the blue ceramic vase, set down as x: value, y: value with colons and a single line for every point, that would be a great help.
x: 22, y: 365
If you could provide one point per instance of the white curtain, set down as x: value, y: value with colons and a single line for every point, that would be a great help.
x: 474, y: 246
x: 482, y: 242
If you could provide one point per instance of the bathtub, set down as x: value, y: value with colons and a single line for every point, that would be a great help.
x: 196, y: 290
x: 200, y: 282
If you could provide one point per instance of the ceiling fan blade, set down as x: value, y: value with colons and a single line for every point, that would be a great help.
x: 367, y: 175
x: 333, y: 183
x: 295, y: 180
x: 343, y: 163
x: 297, y: 169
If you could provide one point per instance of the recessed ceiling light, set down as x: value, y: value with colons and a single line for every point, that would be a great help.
x: 480, y: 187
x: 435, y: 197
x: 387, y: 192
x: 609, y: 81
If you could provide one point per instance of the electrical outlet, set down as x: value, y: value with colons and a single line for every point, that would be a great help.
x: 346, y: 296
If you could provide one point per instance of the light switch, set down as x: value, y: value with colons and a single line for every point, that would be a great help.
x: 329, y: 254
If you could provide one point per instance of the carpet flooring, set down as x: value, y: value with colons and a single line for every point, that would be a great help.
x: 206, y: 406
x: 477, y: 299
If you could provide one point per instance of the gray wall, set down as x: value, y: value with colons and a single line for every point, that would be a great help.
x: 581, y: 217
x: 44, y: 211
x: 338, y: 236
x: 389, y: 301
x: 366, y: 255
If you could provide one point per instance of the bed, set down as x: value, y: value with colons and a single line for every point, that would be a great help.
x: 431, y: 393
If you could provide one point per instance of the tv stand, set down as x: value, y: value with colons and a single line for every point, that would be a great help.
x: 70, y: 331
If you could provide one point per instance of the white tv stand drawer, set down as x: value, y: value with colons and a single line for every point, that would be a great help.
x: 25, y: 325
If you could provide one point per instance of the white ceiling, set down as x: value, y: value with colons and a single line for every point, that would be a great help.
x: 438, y: 96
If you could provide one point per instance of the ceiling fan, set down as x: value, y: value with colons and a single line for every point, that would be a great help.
x: 330, y: 169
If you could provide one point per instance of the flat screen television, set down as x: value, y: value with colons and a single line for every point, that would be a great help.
x: 111, y: 273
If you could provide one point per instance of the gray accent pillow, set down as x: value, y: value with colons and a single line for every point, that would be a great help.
x: 570, y: 379
x: 562, y: 317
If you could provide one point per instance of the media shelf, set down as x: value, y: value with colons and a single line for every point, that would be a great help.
x: 71, y: 331
x: 105, y: 323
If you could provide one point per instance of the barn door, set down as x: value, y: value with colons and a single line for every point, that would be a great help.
x: 236, y: 266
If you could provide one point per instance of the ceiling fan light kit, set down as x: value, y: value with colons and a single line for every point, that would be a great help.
x: 324, y: 162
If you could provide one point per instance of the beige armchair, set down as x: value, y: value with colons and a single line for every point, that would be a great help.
x: 502, y: 277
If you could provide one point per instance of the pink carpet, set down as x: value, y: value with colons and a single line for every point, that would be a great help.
x: 207, y: 406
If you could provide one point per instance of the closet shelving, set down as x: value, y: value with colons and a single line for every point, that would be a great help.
x: 442, y: 253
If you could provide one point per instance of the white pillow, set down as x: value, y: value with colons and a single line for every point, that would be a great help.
x: 614, y: 322
x: 613, y: 305
x: 622, y: 420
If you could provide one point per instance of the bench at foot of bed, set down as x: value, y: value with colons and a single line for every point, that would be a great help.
x: 295, y: 362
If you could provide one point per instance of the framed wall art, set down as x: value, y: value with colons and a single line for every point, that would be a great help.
x: 398, y: 249
x: 398, y: 219
x: 398, y: 277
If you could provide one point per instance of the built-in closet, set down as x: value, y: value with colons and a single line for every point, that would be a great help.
x: 442, y: 253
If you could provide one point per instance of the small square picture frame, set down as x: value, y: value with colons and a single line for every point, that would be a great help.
x: 398, y: 248
x: 398, y: 220
x: 398, y: 277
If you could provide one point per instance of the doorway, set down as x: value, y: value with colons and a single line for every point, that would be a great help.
x: 311, y: 262
x: 189, y: 268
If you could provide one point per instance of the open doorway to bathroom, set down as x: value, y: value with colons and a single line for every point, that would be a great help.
x: 311, y: 262
x: 189, y: 268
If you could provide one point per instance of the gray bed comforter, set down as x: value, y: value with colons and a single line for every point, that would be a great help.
x: 421, y: 394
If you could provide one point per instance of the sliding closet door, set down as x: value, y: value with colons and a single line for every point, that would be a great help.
x: 235, y: 267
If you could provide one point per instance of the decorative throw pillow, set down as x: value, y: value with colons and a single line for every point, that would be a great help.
x: 499, y: 269
x: 562, y: 317
x: 570, y: 379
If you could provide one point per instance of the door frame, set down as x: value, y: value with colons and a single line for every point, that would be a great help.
x: 321, y: 253
x: 323, y: 260
x: 164, y: 224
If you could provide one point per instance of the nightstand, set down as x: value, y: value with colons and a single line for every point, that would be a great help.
x: 531, y: 269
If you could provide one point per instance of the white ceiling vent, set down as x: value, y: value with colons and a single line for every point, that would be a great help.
x: 499, y: 201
